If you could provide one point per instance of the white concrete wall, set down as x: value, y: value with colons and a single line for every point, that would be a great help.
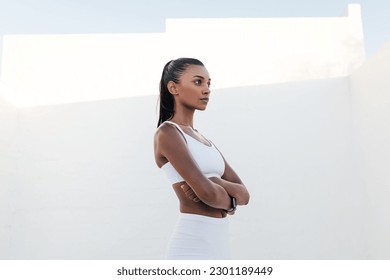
x: 8, y: 170
x: 292, y: 144
x: 85, y: 183
x: 87, y: 186
x: 238, y: 52
x: 371, y: 98
x: 79, y: 181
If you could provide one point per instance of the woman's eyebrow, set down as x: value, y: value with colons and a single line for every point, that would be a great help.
x: 201, y: 77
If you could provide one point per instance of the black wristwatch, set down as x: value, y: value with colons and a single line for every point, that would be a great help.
x: 234, y: 205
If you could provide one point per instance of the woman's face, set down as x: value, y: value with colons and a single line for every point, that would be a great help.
x: 193, y: 89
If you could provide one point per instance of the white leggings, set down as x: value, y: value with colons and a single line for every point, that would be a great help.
x: 198, y: 237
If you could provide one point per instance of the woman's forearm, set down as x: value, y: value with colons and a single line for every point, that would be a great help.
x: 216, y: 196
x: 221, y: 199
x: 238, y: 191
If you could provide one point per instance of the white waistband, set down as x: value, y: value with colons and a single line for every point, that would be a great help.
x: 202, y: 218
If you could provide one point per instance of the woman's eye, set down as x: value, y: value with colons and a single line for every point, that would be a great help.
x: 198, y: 82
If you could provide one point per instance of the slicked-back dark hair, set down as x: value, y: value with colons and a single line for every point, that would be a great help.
x: 172, y: 72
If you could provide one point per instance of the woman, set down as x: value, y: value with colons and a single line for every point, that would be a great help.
x: 207, y: 187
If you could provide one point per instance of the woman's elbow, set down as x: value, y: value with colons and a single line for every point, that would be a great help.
x: 245, y: 198
x: 246, y: 201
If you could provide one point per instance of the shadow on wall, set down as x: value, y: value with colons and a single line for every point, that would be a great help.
x: 370, y: 86
x: 8, y: 171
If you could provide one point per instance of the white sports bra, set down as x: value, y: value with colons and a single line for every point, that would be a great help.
x: 208, y: 158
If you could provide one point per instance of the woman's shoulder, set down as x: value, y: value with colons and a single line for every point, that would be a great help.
x: 171, y: 134
x: 165, y: 127
x: 166, y: 130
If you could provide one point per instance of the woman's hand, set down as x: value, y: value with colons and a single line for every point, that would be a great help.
x: 189, y: 192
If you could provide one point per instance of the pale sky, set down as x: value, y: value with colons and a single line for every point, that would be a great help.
x: 129, y: 16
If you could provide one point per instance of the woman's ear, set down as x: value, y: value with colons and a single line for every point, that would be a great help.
x: 172, y: 87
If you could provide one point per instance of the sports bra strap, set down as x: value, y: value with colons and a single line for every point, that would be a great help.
x: 178, y: 128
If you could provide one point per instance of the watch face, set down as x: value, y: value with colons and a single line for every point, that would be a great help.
x: 234, y: 203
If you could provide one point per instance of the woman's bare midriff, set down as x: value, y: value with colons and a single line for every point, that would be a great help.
x: 189, y: 206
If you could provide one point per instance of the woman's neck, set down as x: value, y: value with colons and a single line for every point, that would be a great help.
x: 184, y: 120
x: 184, y: 116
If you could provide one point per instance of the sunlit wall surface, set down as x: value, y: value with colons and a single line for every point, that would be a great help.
x: 53, y: 69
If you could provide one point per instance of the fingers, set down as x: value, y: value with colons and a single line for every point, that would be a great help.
x: 189, y: 193
x: 185, y: 187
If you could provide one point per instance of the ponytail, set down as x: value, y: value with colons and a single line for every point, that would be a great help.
x: 165, y: 98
